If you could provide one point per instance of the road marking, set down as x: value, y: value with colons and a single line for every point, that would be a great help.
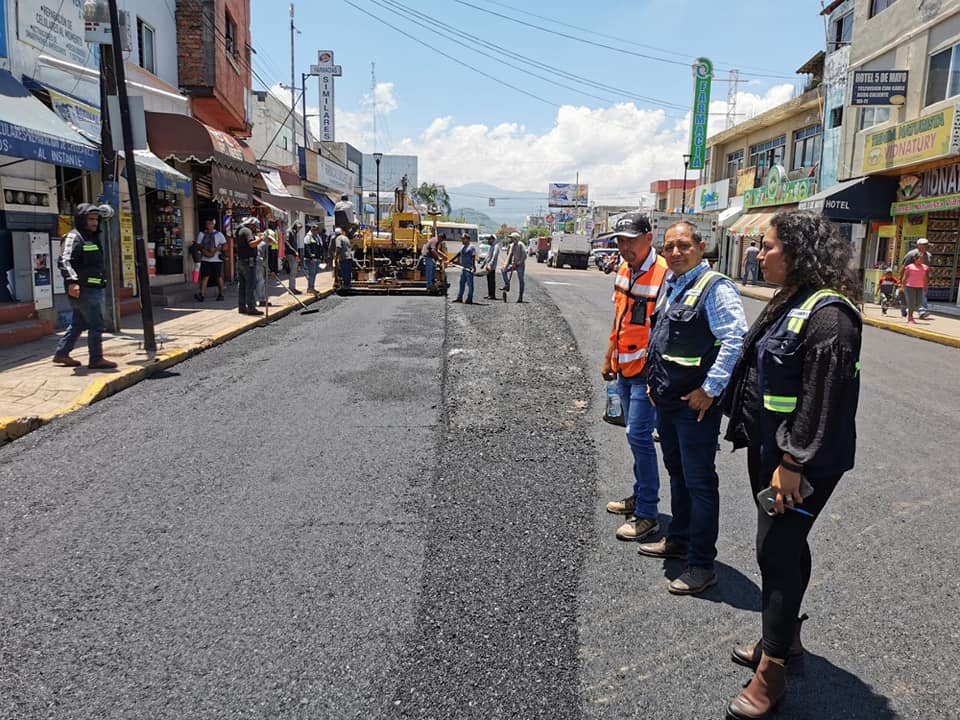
x: 551, y: 282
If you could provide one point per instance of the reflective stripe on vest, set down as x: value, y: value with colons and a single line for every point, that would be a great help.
x: 630, y: 357
x: 692, y: 296
x: 96, y: 281
x: 89, y: 247
x: 685, y: 361
x: 780, y: 403
x: 798, y: 316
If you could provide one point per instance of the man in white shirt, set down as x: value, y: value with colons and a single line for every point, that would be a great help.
x: 516, y: 262
x: 211, y: 243
x: 490, y: 267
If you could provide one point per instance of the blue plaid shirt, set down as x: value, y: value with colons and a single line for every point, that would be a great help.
x: 727, y: 321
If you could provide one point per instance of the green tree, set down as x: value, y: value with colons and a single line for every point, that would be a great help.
x: 433, y: 194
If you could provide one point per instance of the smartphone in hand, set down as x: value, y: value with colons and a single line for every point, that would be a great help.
x: 768, y: 495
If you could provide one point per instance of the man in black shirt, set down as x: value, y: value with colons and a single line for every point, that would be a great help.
x: 247, y: 242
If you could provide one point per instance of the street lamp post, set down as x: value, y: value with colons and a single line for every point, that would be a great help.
x: 377, y: 157
x: 683, y: 202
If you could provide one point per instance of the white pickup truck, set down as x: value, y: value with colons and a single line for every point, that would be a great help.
x: 569, y: 249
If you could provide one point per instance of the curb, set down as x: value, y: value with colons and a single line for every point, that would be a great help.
x: 12, y: 428
x: 928, y: 335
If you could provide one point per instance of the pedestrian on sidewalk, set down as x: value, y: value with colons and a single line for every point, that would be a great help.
x: 291, y: 252
x: 751, y: 266
x: 467, y: 260
x: 696, y: 337
x: 273, y: 251
x: 260, y: 269
x: 792, y: 403
x: 84, y: 275
x: 311, y: 256
x: 921, y: 251
x: 635, y: 292
x: 247, y: 242
x: 490, y: 268
x: 515, y: 263
x: 887, y: 290
x: 914, y: 278
x: 212, y: 244
x: 326, y: 250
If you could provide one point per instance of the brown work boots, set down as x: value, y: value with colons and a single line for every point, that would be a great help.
x: 749, y: 655
x: 761, y: 697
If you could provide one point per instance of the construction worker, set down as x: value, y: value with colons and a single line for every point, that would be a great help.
x: 696, y: 338
x: 430, y: 256
x: 490, y: 267
x: 84, y: 275
x: 273, y: 250
x: 291, y: 251
x: 467, y: 260
x: 636, y: 287
x: 246, y: 244
x: 311, y: 255
x: 343, y: 256
x: 515, y: 263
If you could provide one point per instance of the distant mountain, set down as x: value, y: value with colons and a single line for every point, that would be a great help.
x: 510, y: 208
x: 475, y: 216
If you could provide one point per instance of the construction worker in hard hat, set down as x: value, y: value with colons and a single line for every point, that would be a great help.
x: 84, y: 275
x: 515, y: 263
x: 635, y: 294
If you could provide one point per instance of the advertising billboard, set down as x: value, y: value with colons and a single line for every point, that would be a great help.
x: 567, y: 195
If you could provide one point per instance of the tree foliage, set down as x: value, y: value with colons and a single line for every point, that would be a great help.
x: 431, y: 194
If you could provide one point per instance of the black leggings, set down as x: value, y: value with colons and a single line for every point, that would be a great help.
x: 784, y: 556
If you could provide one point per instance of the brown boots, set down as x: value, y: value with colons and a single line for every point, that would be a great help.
x: 749, y: 655
x: 762, y: 695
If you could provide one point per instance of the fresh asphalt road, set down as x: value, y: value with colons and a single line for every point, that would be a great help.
x: 394, y: 508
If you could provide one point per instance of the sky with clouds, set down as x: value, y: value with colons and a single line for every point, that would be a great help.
x: 521, y: 93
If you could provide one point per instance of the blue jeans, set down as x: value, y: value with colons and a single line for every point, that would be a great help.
x: 466, y: 283
x: 506, y: 279
x: 431, y: 267
x: 246, y: 284
x: 346, y: 273
x: 641, y: 419
x: 87, y: 315
x: 750, y: 272
x: 310, y: 265
x: 689, y: 454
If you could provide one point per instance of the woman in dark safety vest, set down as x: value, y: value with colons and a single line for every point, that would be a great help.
x: 792, y: 403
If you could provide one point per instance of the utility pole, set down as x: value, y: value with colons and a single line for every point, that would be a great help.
x: 143, y: 277
x: 293, y: 91
x: 683, y: 202
x: 111, y: 190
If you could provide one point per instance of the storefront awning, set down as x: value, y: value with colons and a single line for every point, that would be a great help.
x: 752, y: 224
x: 155, y: 173
x: 293, y: 203
x: 29, y: 130
x: 273, y: 208
x: 322, y: 198
x: 865, y: 198
x: 726, y: 218
x: 232, y: 165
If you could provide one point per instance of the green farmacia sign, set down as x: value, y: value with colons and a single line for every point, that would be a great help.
x: 702, y: 76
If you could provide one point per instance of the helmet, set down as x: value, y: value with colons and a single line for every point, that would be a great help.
x: 250, y: 221
x: 515, y: 234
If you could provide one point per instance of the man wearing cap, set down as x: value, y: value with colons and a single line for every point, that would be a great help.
x: 247, y: 243
x: 922, y: 250
x: 343, y: 255
x: 515, y: 262
x: 84, y: 275
x: 635, y: 292
x: 311, y: 256
x: 696, y: 337
x: 467, y: 260
x: 291, y: 251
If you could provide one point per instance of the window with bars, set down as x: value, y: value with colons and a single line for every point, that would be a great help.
x: 806, y: 147
x: 765, y: 155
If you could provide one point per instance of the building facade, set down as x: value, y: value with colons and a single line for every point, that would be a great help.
x: 671, y: 195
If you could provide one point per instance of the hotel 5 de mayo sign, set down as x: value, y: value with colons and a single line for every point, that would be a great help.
x: 926, y: 138
x: 777, y: 190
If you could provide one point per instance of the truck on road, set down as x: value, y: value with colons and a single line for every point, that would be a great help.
x: 543, y: 248
x: 569, y: 249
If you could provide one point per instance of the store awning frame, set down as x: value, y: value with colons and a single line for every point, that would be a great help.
x: 323, y: 199
x: 752, y: 224
x: 155, y: 173
x: 31, y: 131
x: 858, y: 200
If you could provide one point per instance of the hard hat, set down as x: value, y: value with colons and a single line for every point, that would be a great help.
x: 515, y: 234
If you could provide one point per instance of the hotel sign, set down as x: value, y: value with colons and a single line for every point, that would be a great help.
x: 777, y: 190
x: 920, y: 140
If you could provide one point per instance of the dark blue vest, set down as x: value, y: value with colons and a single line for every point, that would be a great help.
x: 780, y: 355
x: 682, y: 347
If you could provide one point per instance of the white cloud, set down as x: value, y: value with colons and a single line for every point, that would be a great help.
x: 617, y: 150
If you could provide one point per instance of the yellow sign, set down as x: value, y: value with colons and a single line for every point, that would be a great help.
x: 746, y: 179
x: 128, y: 256
x: 919, y: 140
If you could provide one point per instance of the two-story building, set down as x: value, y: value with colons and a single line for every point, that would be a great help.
x: 905, y: 68
x: 673, y: 195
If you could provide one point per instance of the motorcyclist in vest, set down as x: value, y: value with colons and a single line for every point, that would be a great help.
x: 792, y: 403
x: 635, y: 292
x: 695, y: 341
x: 82, y: 265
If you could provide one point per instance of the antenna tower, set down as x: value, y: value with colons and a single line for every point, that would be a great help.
x: 732, y: 98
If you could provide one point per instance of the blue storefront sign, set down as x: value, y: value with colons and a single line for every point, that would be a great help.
x: 879, y: 87
x: 29, y: 130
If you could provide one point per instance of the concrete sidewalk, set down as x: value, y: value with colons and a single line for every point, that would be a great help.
x: 938, y: 327
x: 34, y: 391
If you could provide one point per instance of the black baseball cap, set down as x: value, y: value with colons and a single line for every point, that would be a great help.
x: 630, y: 225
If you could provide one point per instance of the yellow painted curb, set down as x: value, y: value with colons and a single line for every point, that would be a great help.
x: 12, y: 428
x: 918, y: 333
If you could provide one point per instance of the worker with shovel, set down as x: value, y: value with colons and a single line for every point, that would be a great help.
x: 466, y: 259
x: 516, y: 263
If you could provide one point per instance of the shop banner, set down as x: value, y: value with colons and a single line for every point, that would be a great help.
x: 566, y: 195
x: 321, y: 171
x: 715, y: 196
x: 128, y: 256
x: 879, y: 87
x: 777, y: 190
x: 700, y: 113
x: 746, y: 179
x: 54, y: 28
x: 926, y: 205
x: 925, y: 138
x: 84, y: 118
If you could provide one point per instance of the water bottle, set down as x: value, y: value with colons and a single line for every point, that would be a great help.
x: 613, y: 400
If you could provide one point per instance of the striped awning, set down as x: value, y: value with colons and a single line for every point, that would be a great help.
x: 752, y: 224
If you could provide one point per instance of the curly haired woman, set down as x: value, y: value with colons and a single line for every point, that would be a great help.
x: 792, y: 403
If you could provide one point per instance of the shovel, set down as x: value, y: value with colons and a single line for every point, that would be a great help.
x: 306, y: 310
